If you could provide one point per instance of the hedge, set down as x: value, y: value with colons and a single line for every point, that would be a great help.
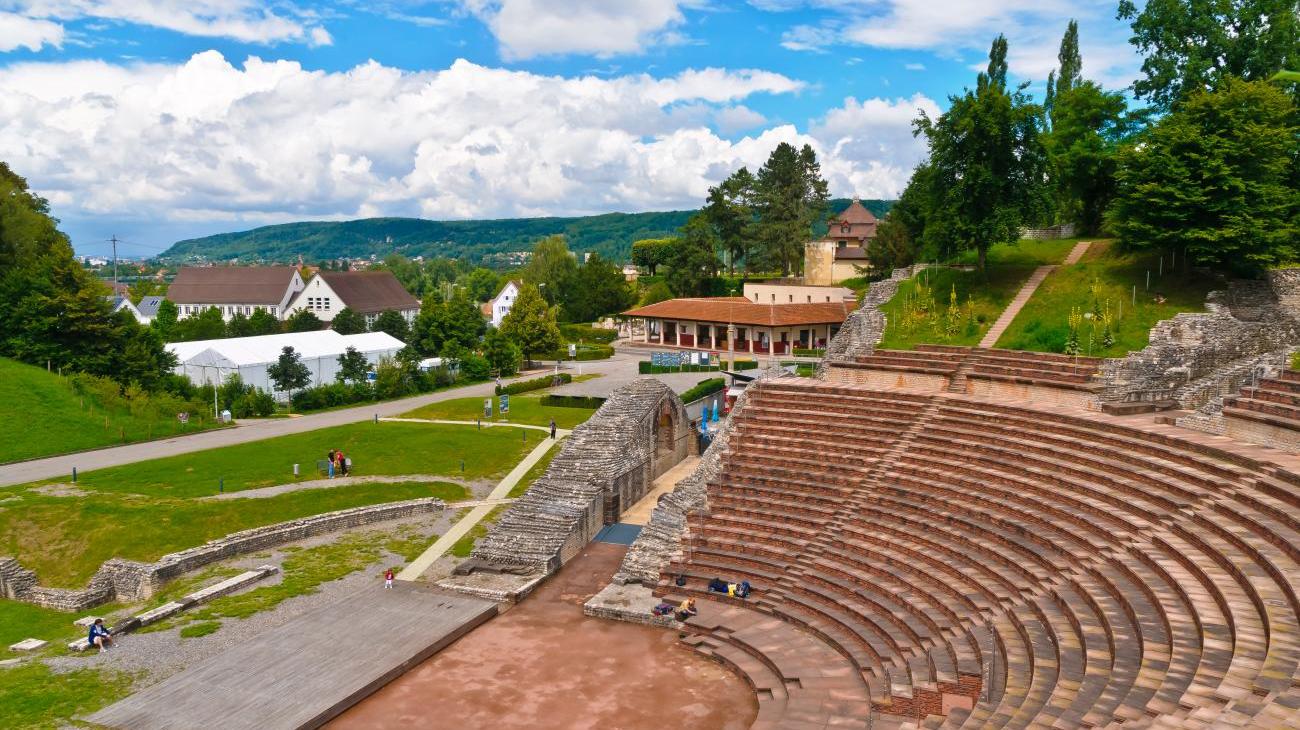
x: 587, y: 333
x: 523, y: 386
x: 646, y: 367
x: 585, y: 352
x: 572, y: 401
x: 703, y: 388
x: 806, y: 352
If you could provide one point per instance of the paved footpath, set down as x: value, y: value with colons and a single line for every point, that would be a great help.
x: 1035, y: 279
x: 617, y: 370
x: 416, y: 567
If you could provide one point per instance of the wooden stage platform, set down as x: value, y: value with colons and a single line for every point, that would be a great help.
x: 308, y: 671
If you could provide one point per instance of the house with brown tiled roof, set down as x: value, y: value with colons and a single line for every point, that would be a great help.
x: 234, y: 289
x: 838, y: 256
x: 368, y: 293
x: 703, y: 323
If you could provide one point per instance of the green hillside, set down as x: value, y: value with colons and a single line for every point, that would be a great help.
x: 44, y: 414
x: 610, y: 234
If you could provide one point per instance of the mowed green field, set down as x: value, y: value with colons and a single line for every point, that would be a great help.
x: 1120, y: 280
x: 524, y: 408
x: 43, y: 415
x: 145, y: 510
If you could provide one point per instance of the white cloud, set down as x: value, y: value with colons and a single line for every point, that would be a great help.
x: 528, y: 28
x: 243, y: 20
x: 868, y: 147
x: 18, y: 31
x: 320, y: 37
x: 270, y: 141
x: 964, y: 30
x: 914, y: 66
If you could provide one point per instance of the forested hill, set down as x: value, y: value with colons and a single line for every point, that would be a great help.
x: 610, y: 234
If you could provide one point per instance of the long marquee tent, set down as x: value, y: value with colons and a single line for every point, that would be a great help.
x: 207, y: 361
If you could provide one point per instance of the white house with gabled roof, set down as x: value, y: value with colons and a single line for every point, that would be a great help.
x: 499, y: 306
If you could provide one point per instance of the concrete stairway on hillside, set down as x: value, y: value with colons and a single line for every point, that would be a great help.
x: 1035, y: 279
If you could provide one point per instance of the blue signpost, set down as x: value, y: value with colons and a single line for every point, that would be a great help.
x: 505, y: 404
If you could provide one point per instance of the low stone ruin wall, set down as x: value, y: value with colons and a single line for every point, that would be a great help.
x: 661, y: 537
x: 1065, y: 230
x: 128, y: 580
x: 1196, y: 357
x: 608, y: 462
x: 864, y: 327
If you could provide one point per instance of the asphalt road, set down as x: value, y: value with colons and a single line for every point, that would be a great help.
x: 615, y: 371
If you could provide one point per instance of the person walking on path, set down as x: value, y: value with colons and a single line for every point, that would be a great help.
x: 388, y: 578
x: 552, y: 429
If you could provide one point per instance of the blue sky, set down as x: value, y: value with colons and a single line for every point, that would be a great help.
x: 162, y: 119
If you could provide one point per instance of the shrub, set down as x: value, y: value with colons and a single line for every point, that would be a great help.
x: 585, y: 352
x: 524, y: 386
x: 703, y: 388
x: 646, y: 368
x: 475, y: 367
x: 807, y: 352
x: 586, y: 333
x: 572, y: 401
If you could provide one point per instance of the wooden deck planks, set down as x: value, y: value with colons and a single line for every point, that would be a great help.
x: 308, y: 671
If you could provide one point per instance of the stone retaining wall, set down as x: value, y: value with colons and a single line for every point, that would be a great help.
x: 1195, y: 357
x: 661, y: 537
x: 864, y: 327
x: 128, y: 580
x: 1065, y: 230
x: 604, y: 466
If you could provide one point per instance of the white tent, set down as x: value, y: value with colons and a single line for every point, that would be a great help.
x: 207, y: 361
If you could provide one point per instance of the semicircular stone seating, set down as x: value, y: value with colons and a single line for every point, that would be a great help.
x: 939, y: 561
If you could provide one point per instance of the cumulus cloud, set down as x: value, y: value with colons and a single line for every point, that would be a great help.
x: 528, y: 28
x: 242, y: 20
x: 270, y: 141
x: 18, y: 31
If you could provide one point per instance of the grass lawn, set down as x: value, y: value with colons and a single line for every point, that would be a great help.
x: 524, y: 408
x: 33, y: 696
x: 988, y: 298
x: 1025, y: 252
x: 384, y: 448
x: 20, y: 621
x: 464, y: 546
x: 64, y: 539
x: 1043, y: 323
x: 56, y: 419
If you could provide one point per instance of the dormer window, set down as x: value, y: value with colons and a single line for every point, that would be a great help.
x: 845, y: 228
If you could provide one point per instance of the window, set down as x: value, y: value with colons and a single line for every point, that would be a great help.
x: 327, y: 303
x: 810, y: 299
x: 845, y: 228
x: 791, y: 297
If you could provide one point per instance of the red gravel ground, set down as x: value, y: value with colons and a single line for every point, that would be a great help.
x: 544, y: 664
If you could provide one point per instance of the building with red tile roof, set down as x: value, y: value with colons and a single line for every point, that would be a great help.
x: 702, y: 323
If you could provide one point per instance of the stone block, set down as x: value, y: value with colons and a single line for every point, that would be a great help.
x: 29, y: 645
x: 167, y: 610
x: 79, y: 645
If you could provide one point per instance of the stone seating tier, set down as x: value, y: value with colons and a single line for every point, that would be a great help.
x: 1036, y: 568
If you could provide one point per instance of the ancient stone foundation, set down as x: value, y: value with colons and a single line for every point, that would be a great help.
x: 604, y: 466
x: 128, y: 580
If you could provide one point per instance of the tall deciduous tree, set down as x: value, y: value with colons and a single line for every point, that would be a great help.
x: 262, y: 322
x: 482, y: 284
x: 694, y: 261
x: 988, y: 162
x: 530, y: 324
x: 289, y: 372
x: 1217, y: 176
x: 598, y: 289
x: 730, y: 210
x: 394, y: 324
x: 790, y: 195
x: 551, y: 268
x: 502, y: 354
x: 353, y: 366
x: 348, y: 321
x: 303, y: 320
x: 206, y: 325
x: 1199, y: 45
x: 164, y: 320
x: 651, y: 253
x: 1090, y: 126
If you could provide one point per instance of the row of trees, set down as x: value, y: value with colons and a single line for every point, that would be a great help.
x: 1209, y: 164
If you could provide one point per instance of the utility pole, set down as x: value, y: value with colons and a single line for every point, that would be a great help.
x: 113, y: 239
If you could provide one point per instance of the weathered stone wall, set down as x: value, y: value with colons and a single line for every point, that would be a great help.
x: 128, y: 580
x: 661, y: 537
x: 864, y: 327
x: 610, y: 461
x: 1065, y: 230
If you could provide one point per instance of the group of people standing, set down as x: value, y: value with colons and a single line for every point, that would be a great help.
x: 338, y: 463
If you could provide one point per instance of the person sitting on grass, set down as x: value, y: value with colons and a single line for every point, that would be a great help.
x: 100, y: 635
